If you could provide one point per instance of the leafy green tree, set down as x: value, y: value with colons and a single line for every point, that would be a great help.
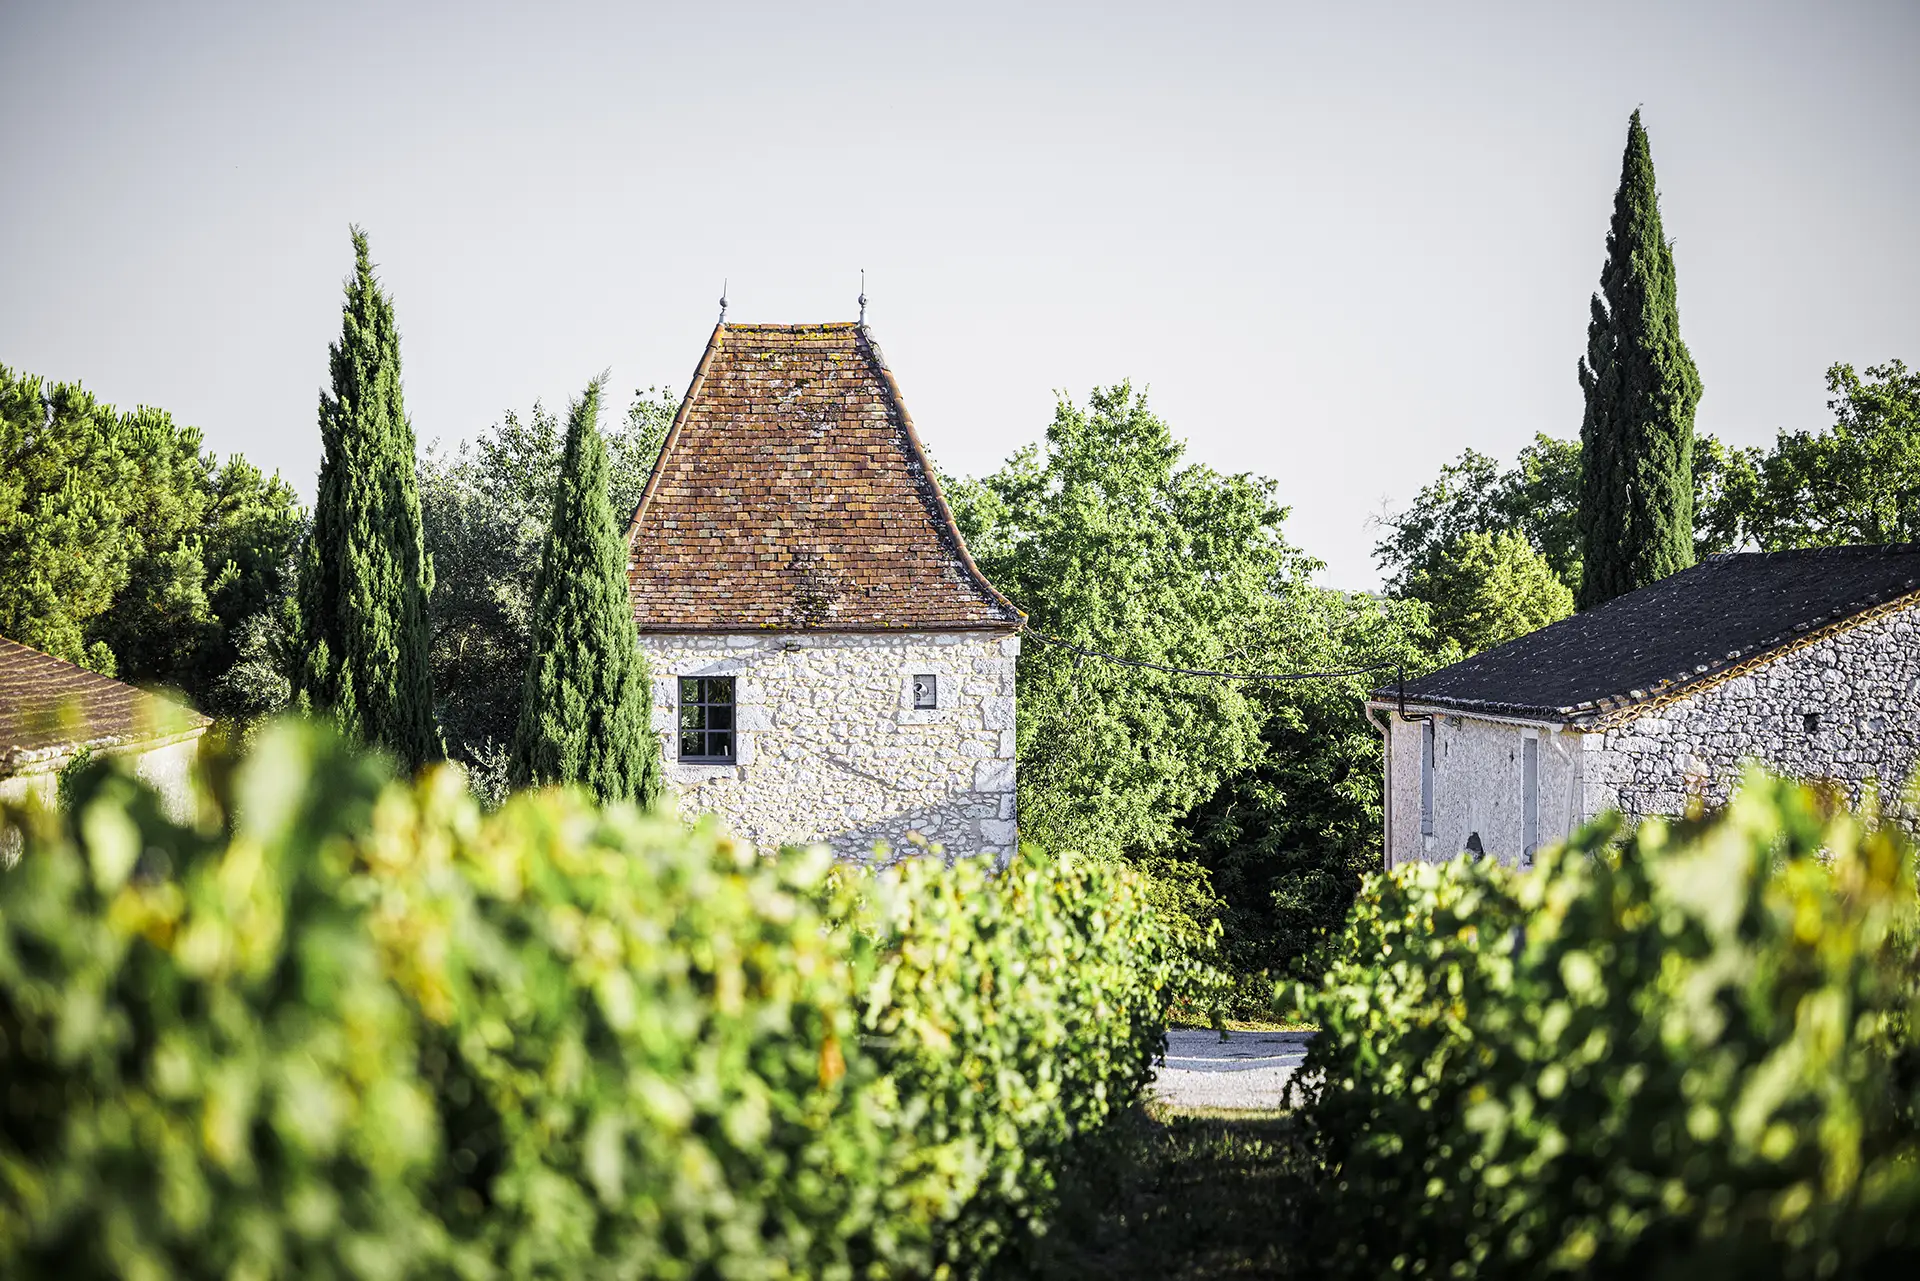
x: 586, y: 715
x: 125, y: 547
x: 1288, y: 840
x: 365, y: 577
x: 63, y: 547
x: 1641, y: 387
x: 1488, y: 589
x: 1858, y: 482
x: 485, y: 508
x: 1726, y: 496
x: 1538, y: 496
x: 1110, y: 543
x: 160, y: 620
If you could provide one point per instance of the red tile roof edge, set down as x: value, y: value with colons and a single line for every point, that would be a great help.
x: 162, y: 722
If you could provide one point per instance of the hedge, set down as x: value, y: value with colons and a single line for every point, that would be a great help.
x: 1678, y: 1052
x: 343, y: 1025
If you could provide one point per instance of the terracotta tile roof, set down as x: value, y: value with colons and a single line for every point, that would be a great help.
x: 51, y: 709
x: 793, y: 493
x: 1729, y: 610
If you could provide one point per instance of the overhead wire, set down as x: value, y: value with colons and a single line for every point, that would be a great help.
x: 1082, y: 650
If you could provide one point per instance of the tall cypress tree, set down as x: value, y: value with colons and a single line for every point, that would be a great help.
x: 587, y: 709
x: 1636, y: 442
x: 364, y: 576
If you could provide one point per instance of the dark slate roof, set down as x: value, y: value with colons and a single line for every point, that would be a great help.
x: 792, y: 493
x: 50, y: 709
x: 1683, y: 629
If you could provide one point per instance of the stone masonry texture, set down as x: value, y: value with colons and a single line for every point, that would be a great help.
x: 1842, y: 709
x: 831, y: 749
x: 1860, y: 686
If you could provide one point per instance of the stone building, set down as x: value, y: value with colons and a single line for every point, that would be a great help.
x: 52, y: 711
x: 1807, y: 662
x: 829, y: 664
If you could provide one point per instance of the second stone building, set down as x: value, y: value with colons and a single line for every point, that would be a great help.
x: 829, y: 664
x: 1804, y: 662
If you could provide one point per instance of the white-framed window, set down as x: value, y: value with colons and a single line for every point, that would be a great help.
x: 926, y: 692
x: 1426, y: 778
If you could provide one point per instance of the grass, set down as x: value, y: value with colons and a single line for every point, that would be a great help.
x: 1186, y: 1194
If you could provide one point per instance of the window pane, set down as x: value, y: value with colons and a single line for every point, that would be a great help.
x: 689, y: 689
x: 719, y: 718
x: 690, y: 746
x: 720, y: 745
x: 719, y: 689
x: 690, y: 716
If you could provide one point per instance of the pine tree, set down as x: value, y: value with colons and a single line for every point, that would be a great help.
x: 1636, y: 498
x: 587, y: 709
x: 364, y: 576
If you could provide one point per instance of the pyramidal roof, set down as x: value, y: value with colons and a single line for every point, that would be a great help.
x: 792, y: 493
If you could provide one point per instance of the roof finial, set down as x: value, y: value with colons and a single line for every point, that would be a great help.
x: 723, y: 301
x: 863, y: 295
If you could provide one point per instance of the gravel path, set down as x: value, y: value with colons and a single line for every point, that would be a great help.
x: 1247, y: 1071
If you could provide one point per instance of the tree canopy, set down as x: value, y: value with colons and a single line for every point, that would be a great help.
x: 1110, y: 542
x: 365, y: 576
x: 1858, y: 481
x: 1640, y: 384
x: 485, y: 507
x: 586, y: 710
x: 1489, y: 588
x: 125, y: 547
x: 1536, y: 497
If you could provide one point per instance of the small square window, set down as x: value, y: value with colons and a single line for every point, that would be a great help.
x: 1810, y: 721
x: 926, y: 693
x: 706, y: 720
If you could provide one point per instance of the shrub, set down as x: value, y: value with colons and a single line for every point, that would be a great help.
x: 347, y: 1026
x: 648, y: 1051
x: 206, y: 1072
x: 1016, y: 1015
x: 1660, y: 1054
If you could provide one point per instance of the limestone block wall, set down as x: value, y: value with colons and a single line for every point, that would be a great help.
x: 166, y: 767
x: 1478, y: 787
x: 1860, y: 686
x: 830, y: 747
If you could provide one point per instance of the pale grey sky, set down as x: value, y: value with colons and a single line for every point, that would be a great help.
x: 1339, y: 242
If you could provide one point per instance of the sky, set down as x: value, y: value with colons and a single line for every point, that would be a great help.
x: 1338, y: 244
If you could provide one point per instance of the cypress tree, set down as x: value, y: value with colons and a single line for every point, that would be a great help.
x: 1636, y: 441
x: 364, y: 576
x: 587, y: 708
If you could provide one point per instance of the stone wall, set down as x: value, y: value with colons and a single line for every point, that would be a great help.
x: 830, y: 747
x: 167, y: 768
x: 1861, y: 685
x: 1477, y: 787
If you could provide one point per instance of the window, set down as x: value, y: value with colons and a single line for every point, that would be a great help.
x: 1810, y: 721
x: 1529, y: 797
x: 706, y: 719
x: 926, y: 693
x: 1426, y: 778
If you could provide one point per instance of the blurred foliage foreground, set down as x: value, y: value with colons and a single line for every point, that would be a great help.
x: 349, y: 1026
x: 1684, y: 1052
